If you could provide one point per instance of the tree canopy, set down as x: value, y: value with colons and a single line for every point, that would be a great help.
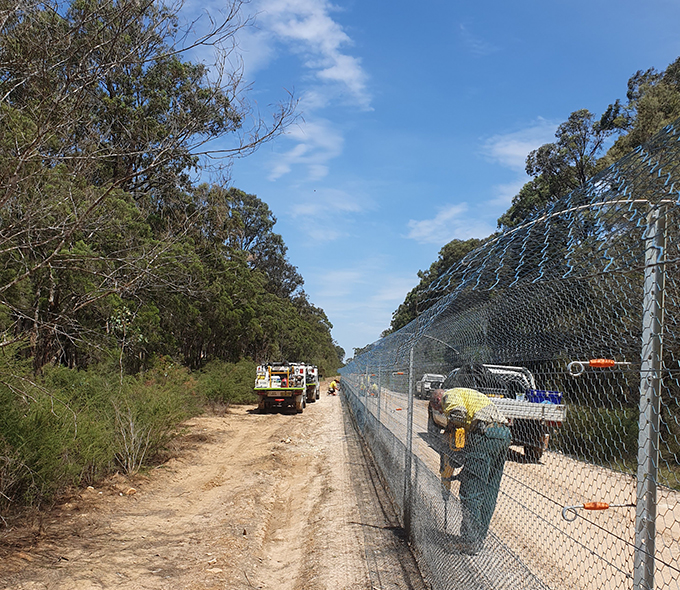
x: 106, y: 241
x: 583, y: 147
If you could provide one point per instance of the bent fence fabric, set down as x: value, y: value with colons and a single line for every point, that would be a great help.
x: 595, y: 276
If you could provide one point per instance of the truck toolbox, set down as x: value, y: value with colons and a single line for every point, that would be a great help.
x: 539, y: 396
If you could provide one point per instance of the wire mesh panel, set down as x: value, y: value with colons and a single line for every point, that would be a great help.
x: 568, y: 325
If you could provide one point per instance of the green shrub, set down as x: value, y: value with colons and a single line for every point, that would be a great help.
x: 599, y: 435
x: 146, y: 413
x: 72, y: 427
x: 227, y: 383
x: 49, y: 438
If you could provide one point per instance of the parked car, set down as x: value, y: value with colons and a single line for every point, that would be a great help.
x: 427, y: 383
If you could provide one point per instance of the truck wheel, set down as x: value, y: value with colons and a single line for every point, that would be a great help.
x: 432, y: 427
x: 300, y: 405
x: 533, y: 454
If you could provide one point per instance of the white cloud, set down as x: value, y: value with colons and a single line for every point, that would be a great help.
x: 317, y: 144
x: 511, y: 149
x: 306, y: 28
x: 339, y: 284
x: 370, y: 291
x: 327, y: 210
x: 504, y: 193
x: 450, y: 223
x: 393, y: 289
x: 327, y: 203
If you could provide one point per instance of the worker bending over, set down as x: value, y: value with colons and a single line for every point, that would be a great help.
x: 487, y: 439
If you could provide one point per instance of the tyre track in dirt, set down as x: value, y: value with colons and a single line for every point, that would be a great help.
x: 282, y: 501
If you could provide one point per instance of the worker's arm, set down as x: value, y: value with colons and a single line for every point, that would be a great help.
x: 456, y: 418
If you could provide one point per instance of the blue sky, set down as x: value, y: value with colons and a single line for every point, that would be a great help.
x: 415, y: 121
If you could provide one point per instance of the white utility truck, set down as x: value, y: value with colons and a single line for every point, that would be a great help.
x: 312, y: 383
x: 427, y: 383
x: 281, y: 385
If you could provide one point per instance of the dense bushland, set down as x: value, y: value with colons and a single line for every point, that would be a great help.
x: 131, y: 293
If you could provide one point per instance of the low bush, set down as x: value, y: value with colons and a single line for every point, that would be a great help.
x: 227, y: 383
x: 73, y: 427
x: 599, y: 435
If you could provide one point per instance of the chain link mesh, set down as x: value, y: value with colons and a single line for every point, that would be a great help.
x: 594, y: 276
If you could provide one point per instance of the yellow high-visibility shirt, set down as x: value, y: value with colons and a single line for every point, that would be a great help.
x: 466, y: 405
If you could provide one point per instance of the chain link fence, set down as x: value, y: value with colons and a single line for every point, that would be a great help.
x: 575, y: 317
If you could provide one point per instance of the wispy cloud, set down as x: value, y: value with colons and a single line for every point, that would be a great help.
x: 504, y: 193
x: 508, y: 150
x: 475, y: 44
x: 328, y: 209
x: 327, y: 203
x: 317, y: 142
x: 511, y: 149
x: 306, y: 28
x: 369, y: 292
x: 452, y: 222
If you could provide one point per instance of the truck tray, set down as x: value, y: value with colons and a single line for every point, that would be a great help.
x: 512, y: 408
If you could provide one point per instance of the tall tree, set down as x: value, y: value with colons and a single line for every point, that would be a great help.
x: 100, y: 112
x: 560, y: 167
x: 653, y: 101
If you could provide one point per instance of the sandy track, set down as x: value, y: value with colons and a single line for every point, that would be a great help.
x: 282, y: 501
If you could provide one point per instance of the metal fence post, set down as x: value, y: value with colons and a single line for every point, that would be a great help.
x: 409, y: 450
x: 379, y: 390
x: 650, y: 396
x: 367, y: 389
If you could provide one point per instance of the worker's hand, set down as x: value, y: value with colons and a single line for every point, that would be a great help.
x: 457, y: 414
x: 454, y: 424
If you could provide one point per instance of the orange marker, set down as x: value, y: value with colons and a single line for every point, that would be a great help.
x: 569, y: 512
x: 576, y: 368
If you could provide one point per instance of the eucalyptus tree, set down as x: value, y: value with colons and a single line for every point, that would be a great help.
x: 560, y: 167
x: 103, y: 117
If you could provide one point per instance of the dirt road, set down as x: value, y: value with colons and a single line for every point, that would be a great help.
x: 282, y: 501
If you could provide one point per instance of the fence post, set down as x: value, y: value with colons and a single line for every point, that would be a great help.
x: 367, y: 390
x: 409, y: 450
x: 379, y: 389
x: 650, y: 397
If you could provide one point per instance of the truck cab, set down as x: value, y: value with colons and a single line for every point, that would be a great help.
x: 427, y: 383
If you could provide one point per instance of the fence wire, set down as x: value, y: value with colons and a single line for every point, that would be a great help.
x: 593, y: 276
